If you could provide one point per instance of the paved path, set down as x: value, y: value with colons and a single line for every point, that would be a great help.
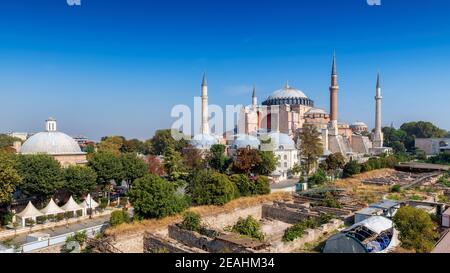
x: 22, y: 238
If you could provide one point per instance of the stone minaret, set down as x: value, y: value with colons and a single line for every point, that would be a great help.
x: 205, y: 125
x: 378, y: 134
x: 254, y: 98
x: 334, y: 88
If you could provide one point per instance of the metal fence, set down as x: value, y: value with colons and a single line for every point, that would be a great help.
x: 59, y: 239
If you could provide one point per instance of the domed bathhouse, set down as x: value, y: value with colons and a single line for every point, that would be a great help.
x: 57, y: 144
x: 245, y: 141
x: 284, y: 149
x: 204, y: 141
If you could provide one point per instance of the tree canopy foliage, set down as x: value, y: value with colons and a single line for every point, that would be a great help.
x: 79, y: 180
x: 10, y: 178
x: 207, y: 187
x: 310, y: 146
x: 154, y: 197
x: 417, y: 229
x: 42, y: 175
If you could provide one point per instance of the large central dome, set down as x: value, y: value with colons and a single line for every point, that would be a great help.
x: 51, y: 142
x: 288, y: 95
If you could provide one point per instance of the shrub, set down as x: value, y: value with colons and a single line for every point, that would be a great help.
x: 7, y: 218
x: 191, y: 221
x: 118, y: 217
x: 351, y: 168
x: 298, y: 230
x: 262, y: 186
x: 41, y: 219
x: 417, y: 229
x: 396, y: 188
x: 103, y: 203
x: 331, y: 201
x: 249, y: 227
x: 319, y: 178
x: 154, y: 197
x: 207, y: 187
x: 243, y: 184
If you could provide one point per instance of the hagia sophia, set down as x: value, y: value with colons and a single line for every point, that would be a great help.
x: 281, y: 117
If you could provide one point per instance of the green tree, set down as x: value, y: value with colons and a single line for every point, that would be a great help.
x: 154, y: 197
x: 398, y: 147
x: 335, y: 162
x: 9, y: 177
x: 112, y: 144
x: 79, y: 180
x: 216, y: 157
x: 268, y: 163
x: 352, y: 168
x: 207, y: 187
x: 119, y: 217
x: 243, y: 184
x: 173, y: 163
x: 310, y: 146
x: 42, y: 175
x: 417, y: 230
x: 134, y: 167
x: 108, y: 166
x: 423, y: 129
x: 133, y: 146
x: 161, y: 141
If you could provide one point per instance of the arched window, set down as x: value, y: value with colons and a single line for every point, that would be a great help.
x: 281, y: 147
x: 285, y: 164
x: 285, y: 157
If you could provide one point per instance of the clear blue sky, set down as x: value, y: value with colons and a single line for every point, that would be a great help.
x: 116, y: 67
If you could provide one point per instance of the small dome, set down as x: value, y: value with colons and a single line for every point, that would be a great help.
x: 53, y: 143
x: 359, y: 123
x: 244, y: 141
x: 279, y: 141
x: 317, y: 111
x: 204, y: 141
x: 289, y: 96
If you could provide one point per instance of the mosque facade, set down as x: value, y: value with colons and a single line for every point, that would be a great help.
x: 281, y: 117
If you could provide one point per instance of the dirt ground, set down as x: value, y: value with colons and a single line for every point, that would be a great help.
x: 155, y: 224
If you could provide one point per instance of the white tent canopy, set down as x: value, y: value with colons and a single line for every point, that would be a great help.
x: 52, y: 208
x: 71, y: 205
x: 89, y: 203
x: 30, y: 212
x: 376, y: 224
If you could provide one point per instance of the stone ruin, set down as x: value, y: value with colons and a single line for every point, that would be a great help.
x: 274, y: 218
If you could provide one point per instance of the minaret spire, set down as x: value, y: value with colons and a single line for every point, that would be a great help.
x: 333, y: 69
x: 378, y: 134
x: 334, y: 88
x: 254, y: 98
x: 205, y: 114
x: 205, y: 79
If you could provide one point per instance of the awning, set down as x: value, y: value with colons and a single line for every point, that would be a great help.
x: 71, y: 205
x: 29, y: 212
x: 376, y: 224
x: 89, y: 203
x: 52, y: 208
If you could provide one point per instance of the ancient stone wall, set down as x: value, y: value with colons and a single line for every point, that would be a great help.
x: 284, y: 214
x: 311, y: 235
x: 222, y: 220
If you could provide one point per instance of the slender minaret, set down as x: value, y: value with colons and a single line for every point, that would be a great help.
x: 334, y: 88
x: 205, y: 125
x: 254, y: 98
x: 378, y: 134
